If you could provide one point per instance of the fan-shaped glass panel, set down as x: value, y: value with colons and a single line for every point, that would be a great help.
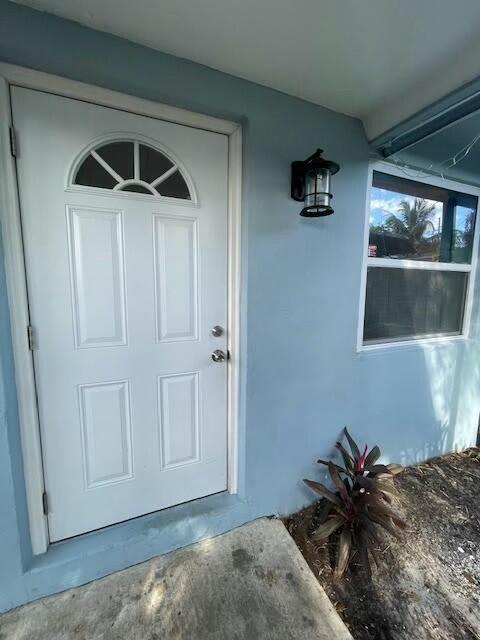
x: 92, y: 174
x: 129, y: 165
x: 174, y: 187
x: 119, y: 156
x: 136, y: 188
x: 152, y: 163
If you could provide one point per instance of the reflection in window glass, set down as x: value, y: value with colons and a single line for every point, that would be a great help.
x: 425, y: 224
x: 415, y: 221
x: 464, y: 227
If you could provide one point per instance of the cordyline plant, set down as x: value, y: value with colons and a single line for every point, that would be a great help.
x: 361, y: 503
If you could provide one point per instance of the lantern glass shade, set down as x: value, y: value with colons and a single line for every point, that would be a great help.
x: 317, y: 192
x: 311, y: 184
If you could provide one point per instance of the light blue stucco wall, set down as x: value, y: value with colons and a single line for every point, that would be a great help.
x: 302, y: 378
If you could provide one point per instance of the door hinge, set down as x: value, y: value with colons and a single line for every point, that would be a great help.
x: 45, y: 503
x: 30, y: 337
x: 13, y: 142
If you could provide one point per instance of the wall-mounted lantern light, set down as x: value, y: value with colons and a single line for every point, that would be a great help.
x: 311, y: 184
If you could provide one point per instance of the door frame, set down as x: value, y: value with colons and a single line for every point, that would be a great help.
x: 16, y: 273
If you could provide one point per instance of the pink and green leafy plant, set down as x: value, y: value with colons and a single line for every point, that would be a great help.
x: 361, y: 502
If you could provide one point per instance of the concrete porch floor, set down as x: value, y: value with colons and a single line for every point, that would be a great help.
x: 248, y: 584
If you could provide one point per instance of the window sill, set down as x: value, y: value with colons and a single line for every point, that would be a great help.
x: 406, y: 345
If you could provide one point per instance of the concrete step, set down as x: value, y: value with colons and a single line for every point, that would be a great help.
x: 251, y: 583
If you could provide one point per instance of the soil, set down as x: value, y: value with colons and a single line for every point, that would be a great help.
x: 427, y: 585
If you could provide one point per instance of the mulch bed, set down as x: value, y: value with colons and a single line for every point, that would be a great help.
x: 427, y: 586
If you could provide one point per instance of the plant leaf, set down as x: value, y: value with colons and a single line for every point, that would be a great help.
x: 379, y: 506
x: 395, y: 468
x: 353, y: 445
x: 363, y: 548
x: 338, y: 482
x: 324, y: 509
x: 373, y: 456
x: 384, y: 476
x: 328, y: 527
x: 365, y: 482
x: 386, y: 523
x: 387, y: 488
x: 387, y: 497
x: 323, y: 491
x: 401, y: 524
x: 334, y: 474
x: 343, y: 554
x: 366, y: 524
x: 347, y: 458
x: 341, y: 511
x: 327, y: 462
x: 377, y: 468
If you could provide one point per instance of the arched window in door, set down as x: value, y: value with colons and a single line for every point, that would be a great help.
x: 132, y: 166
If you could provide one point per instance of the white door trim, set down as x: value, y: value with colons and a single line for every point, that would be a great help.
x: 16, y: 276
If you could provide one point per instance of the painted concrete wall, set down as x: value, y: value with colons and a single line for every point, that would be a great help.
x: 302, y: 379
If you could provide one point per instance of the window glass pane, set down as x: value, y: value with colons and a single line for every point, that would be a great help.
x: 417, y: 221
x: 174, y: 187
x: 136, y: 188
x: 153, y: 164
x: 120, y: 161
x: 411, y: 303
x: 119, y: 155
x: 92, y: 174
x: 464, y: 227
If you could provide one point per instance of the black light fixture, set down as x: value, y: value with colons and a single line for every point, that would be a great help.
x: 311, y: 184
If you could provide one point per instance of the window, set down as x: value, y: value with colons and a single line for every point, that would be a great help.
x: 419, y: 260
x: 128, y: 165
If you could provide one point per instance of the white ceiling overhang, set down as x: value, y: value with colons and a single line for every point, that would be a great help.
x: 378, y: 60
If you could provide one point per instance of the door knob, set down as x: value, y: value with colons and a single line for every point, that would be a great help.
x: 219, y: 356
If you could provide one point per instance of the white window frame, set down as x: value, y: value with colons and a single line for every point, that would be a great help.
x: 386, y: 167
x: 16, y: 277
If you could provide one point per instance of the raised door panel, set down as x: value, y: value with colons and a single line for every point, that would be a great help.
x: 179, y: 414
x: 176, y: 278
x: 106, y: 430
x: 97, y: 276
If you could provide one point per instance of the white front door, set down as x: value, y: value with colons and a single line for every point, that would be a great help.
x: 124, y: 223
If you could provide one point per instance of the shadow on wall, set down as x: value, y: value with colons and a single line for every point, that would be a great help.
x: 415, y: 401
x: 422, y: 400
x: 453, y: 373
